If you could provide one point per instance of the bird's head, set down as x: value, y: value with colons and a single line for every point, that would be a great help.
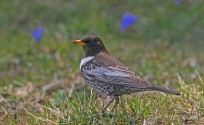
x: 92, y: 45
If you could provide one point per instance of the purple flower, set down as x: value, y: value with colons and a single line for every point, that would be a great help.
x: 127, y: 20
x: 37, y: 33
x: 177, y: 1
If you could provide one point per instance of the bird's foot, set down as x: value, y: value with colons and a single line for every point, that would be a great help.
x: 111, y: 114
x: 104, y: 114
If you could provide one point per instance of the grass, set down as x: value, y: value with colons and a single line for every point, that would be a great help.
x: 41, y: 83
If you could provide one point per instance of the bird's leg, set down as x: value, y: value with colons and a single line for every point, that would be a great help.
x: 116, y: 103
x: 110, y: 101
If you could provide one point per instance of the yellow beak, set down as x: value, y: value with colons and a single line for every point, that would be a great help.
x: 79, y: 42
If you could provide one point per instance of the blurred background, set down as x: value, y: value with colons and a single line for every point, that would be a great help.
x: 23, y: 58
x: 157, y: 39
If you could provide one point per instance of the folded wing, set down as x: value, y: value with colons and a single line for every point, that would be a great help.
x: 116, y: 73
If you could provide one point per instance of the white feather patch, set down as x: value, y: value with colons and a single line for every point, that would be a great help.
x: 85, y: 60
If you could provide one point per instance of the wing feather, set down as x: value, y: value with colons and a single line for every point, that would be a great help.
x: 115, y: 75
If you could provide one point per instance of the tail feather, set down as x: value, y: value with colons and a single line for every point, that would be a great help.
x: 161, y: 89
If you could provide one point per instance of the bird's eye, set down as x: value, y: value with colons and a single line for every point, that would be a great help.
x: 91, y: 41
x: 96, y: 39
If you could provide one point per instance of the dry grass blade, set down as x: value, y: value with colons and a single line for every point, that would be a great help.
x: 57, y: 111
x: 199, y: 77
x: 45, y: 120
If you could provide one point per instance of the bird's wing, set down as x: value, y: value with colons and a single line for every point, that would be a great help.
x: 114, y: 72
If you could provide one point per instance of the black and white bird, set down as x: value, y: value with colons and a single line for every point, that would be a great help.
x: 109, y: 76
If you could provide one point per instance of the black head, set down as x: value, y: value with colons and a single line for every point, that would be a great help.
x: 92, y: 45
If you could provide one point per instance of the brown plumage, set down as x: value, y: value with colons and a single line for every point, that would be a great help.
x: 108, y: 75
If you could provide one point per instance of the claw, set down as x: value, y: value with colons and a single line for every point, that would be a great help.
x: 104, y: 114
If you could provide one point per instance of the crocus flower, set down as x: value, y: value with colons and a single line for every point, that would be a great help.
x: 127, y: 20
x: 37, y: 33
x: 177, y: 1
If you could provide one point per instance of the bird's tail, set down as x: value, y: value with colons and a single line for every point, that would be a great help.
x: 161, y: 89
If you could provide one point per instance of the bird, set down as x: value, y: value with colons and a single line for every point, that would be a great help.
x: 107, y: 75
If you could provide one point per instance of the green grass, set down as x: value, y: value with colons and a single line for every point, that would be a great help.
x: 41, y: 83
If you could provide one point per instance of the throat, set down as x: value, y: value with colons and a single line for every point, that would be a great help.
x: 85, y: 60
